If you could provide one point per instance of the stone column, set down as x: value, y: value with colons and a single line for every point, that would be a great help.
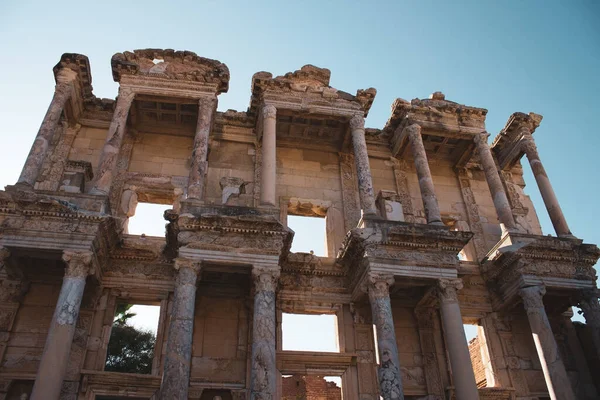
x: 62, y: 93
x: 556, y: 215
x: 55, y: 358
x: 390, y: 381
x: 263, y: 374
x: 456, y: 341
x: 176, y: 373
x: 591, y: 311
x: 555, y: 374
x: 495, y: 184
x: 199, y: 166
x: 363, y: 170
x: 112, y: 146
x: 269, y: 157
x: 430, y: 203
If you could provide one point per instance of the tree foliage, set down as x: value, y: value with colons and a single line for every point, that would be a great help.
x: 129, y: 349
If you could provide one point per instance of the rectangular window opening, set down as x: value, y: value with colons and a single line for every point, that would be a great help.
x: 132, y: 338
x: 309, y: 235
x: 300, y: 386
x: 148, y: 220
x: 480, y: 356
x: 306, y: 332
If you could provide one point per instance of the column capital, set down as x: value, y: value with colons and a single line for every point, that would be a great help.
x: 532, y: 297
x: 65, y: 76
x: 194, y: 265
x: 448, y: 290
x: 481, y: 138
x: 79, y: 263
x: 265, y: 278
x: 527, y: 143
x: 378, y: 285
x: 269, y: 111
x: 413, y: 130
x: 127, y: 94
x: 357, y: 122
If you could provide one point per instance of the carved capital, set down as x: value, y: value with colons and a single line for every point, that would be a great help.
x: 65, y: 77
x: 269, y: 111
x: 194, y: 265
x: 590, y: 307
x: 357, y: 122
x: 448, y: 290
x: 79, y: 263
x: 378, y: 285
x: 265, y: 278
x: 206, y: 104
x: 413, y: 131
x: 532, y: 297
x: 528, y: 145
x: 126, y: 96
x: 481, y: 138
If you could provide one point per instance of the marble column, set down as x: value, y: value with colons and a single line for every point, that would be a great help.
x: 110, y: 152
x: 63, y: 91
x: 363, y: 170
x: 430, y: 203
x: 495, y: 184
x: 591, y: 311
x: 556, y: 215
x: 390, y: 380
x: 263, y: 374
x: 176, y: 372
x: 269, y: 157
x: 199, y: 165
x: 456, y: 341
x: 55, y: 358
x: 555, y: 374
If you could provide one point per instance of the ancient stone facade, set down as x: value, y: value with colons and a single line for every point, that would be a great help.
x: 428, y: 228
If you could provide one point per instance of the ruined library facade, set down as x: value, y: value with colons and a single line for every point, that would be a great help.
x: 427, y: 229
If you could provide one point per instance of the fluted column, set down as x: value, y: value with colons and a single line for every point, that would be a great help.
x: 456, y: 340
x: 55, y: 358
x: 495, y: 184
x: 557, y: 380
x: 390, y: 380
x: 112, y: 146
x: 591, y: 311
x: 269, y: 157
x: 363, y: 170
x: 430, y: 203
x: 176, y: 372
x: 199, y: 165
x: 263, y: 376
x: 550, y: 201
x: 62, y: 93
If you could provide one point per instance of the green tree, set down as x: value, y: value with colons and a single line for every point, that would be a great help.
x: 129, y: 349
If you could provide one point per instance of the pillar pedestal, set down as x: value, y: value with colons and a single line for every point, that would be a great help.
x: 390, y: 380
x: 199, y: 165
x: 112, y: 146
x: 269, y: 157
x: 264, y: 375
x: 176, y: 373
x: 458, y: 348
x: 55, y: 358
x: 495, y: 184
x: 550, y: 201
x: 62, y: 93
x: 363, y: 170
x: 557, y: 380
x: 430, y: 203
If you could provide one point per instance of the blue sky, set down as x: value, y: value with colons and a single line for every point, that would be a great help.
x: 506, y: 56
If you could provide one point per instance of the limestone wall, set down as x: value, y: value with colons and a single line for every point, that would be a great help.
x: 88, y: 145
x: 161, y: 154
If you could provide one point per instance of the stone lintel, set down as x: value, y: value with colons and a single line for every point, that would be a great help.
x: 142, y: 85
x: 309, y: 362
